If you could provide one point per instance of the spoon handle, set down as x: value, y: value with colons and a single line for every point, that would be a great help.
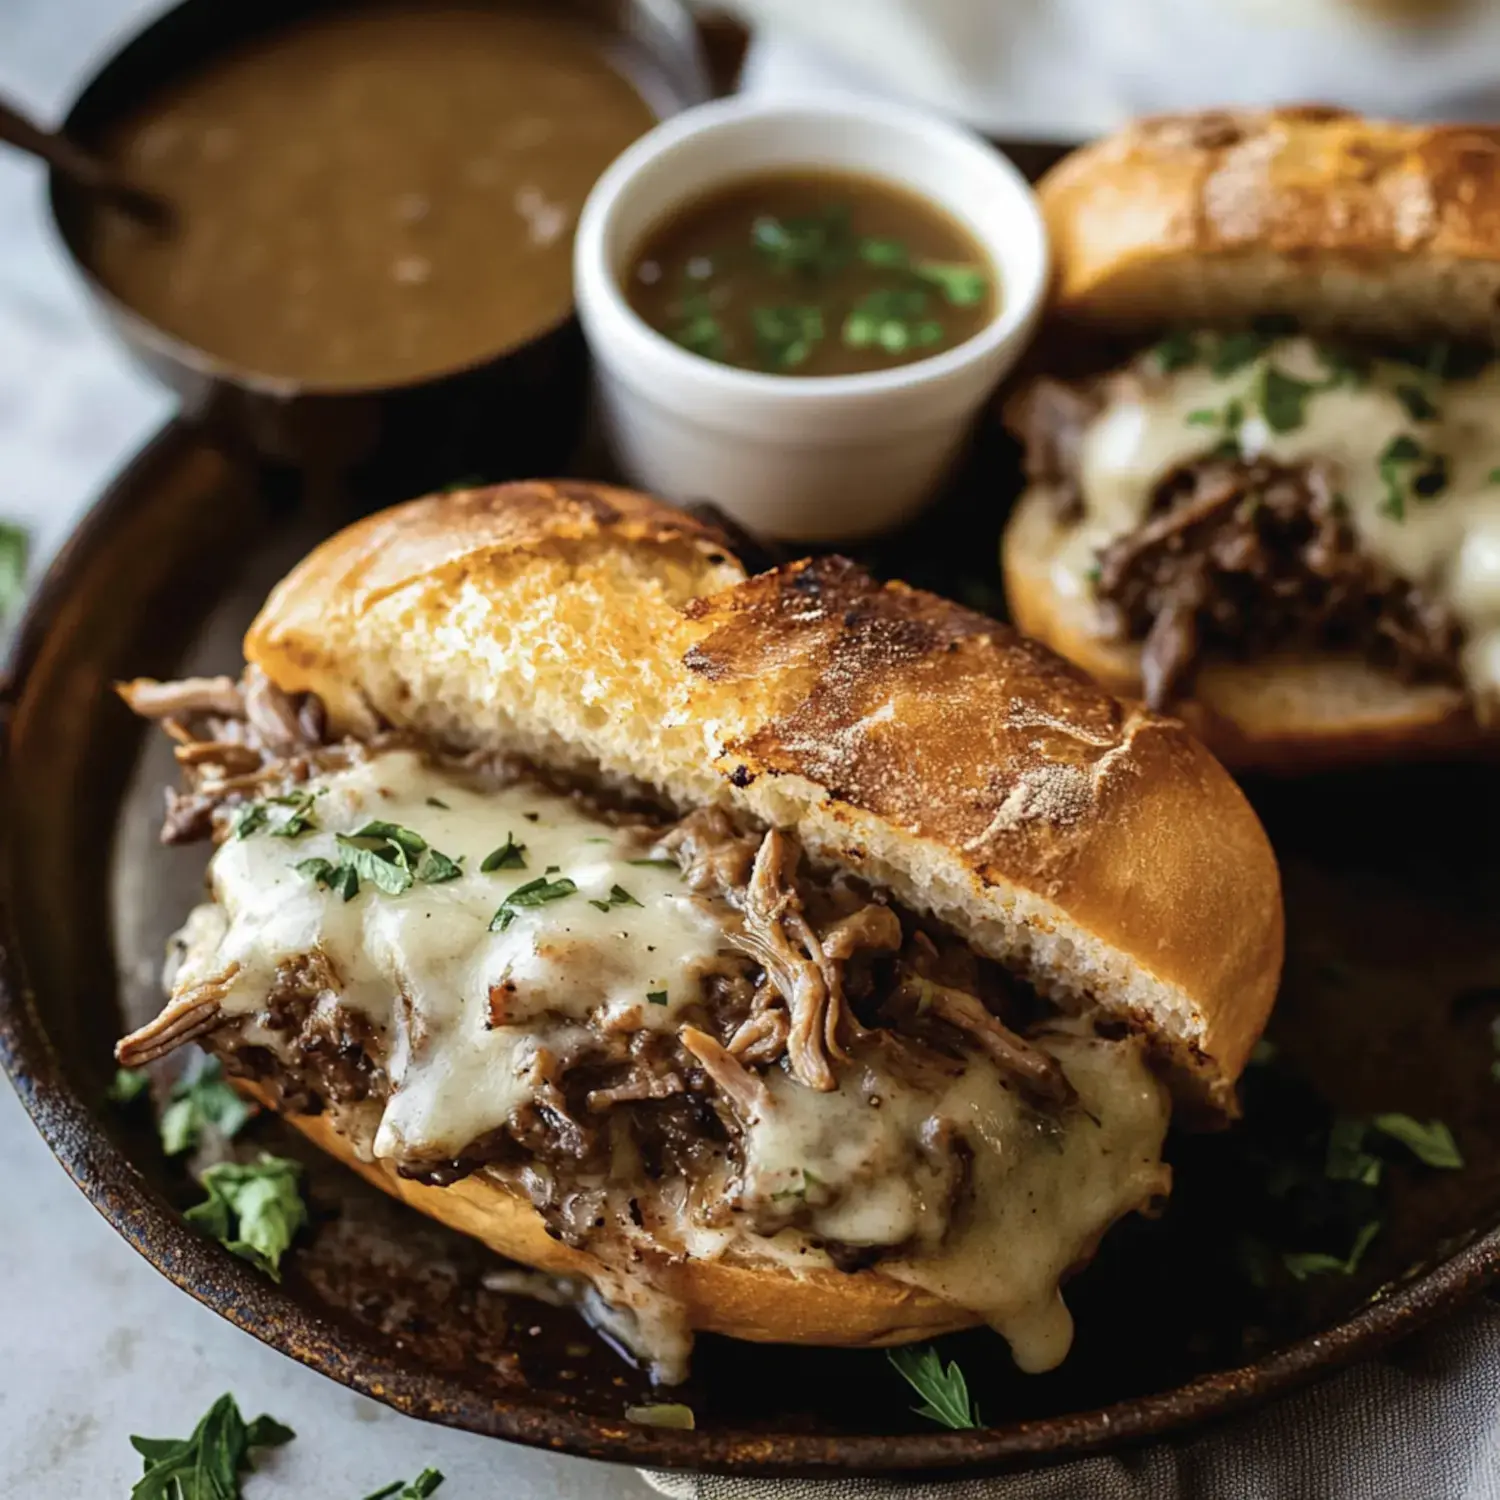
x: 78, y: 165
x: 56, y: 150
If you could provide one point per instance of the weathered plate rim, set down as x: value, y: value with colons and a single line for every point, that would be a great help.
x: 111, y: 1182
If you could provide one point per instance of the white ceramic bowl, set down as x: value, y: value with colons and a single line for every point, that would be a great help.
x: 810, y: 458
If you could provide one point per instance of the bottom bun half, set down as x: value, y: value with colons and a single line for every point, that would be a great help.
x: 766, y: 1303
x: 1285, y: 713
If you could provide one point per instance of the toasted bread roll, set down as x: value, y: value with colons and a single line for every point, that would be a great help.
x: 1348, y: 225
x: 1353, y: 230
x: 934, y: 752
x: 968, y: 804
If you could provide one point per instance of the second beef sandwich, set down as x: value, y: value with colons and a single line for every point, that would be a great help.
x: 1265, y: 478
x: 792, y: 956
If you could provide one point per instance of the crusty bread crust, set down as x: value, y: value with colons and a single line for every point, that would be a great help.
x: 1282, y: 714
x: 764, y: 1301
x: 1092, y: 844
x: 1350, y: 225
x: 1096, y: 847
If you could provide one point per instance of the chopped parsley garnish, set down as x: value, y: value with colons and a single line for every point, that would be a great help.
x: 127, y: 1086
x: 383, y: 863
x: 786, y: 335
x: 249, y: 817
x: 295, y: 819
x: 418, y: 1489
x: 1236, y: 350
x: 1418, y: 404
x: 807, y: 244
x: 15, y: 548
x: 800, y: 1191
x: 944, y: 1392
x: 656, y: 997
x: 391, y: 858
x: 1283, y: 398
x: 880, y: 250
x: 892, y: 319
x: 509, y: 856
x: 437, y: 802
x: 961, y: 285
x: 661, y: 1414
x: 618, y: 896
x: 202, y: 1100
x: 1432, y: 1143
x: 1344, y: 366
x: 536, y: 892
x: 1395, y: 459
x: 1228, y: 420
x: 435, y: 868
x: 660, y: 864
x: 1305, y: 1263
x: 207, y: 1465
x: 342, y: 879
x: 1347, y: 1160
x: 253, y: 1210
x: 698, y: 329
x: 1176, y: 352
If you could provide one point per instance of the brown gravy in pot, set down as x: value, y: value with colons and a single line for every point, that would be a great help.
x: 371, y: 196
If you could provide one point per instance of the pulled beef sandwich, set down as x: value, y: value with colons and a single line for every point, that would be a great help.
x: 792, y: 956
x: 1271, y: 501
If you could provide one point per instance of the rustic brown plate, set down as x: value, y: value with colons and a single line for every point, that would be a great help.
x: 1393, y: 981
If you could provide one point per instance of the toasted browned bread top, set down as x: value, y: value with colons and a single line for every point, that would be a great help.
x: 1095, y: 846
x: 1349, y: 224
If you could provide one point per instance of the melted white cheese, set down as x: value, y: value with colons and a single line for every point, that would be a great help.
x: 1449, y: 545
x: 869, y: 1164
x: 1041, y: 1190
x: 454, y: 1073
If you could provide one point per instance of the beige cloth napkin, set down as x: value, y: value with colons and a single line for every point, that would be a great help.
x: 1420, y: 1423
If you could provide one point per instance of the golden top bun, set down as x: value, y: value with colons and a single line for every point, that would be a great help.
x: 1284, y: 713
x: 1350, y: 225
x: 1089, y: 844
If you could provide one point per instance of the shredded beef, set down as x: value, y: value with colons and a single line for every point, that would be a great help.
x: 1235, y: 557
x: 818, y: 975
x: 1241, y: 557
x: 1050, y: 417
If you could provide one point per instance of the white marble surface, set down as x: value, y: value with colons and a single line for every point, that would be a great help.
x: 94, y: 1344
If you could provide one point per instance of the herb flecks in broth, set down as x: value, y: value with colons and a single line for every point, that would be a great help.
x: 812, y: 274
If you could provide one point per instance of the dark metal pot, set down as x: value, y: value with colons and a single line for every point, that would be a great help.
x: 515, y: 413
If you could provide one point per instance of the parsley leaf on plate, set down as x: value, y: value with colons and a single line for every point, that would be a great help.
x: 1305, y: 1263
x: 254, y: 1210
x: 944, y: 1392
x: 127, y: 1086
x: 202, y: 1099
x: 1432, y: 1143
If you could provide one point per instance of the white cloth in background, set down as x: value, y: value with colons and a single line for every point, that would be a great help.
x: 1063, y: 69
